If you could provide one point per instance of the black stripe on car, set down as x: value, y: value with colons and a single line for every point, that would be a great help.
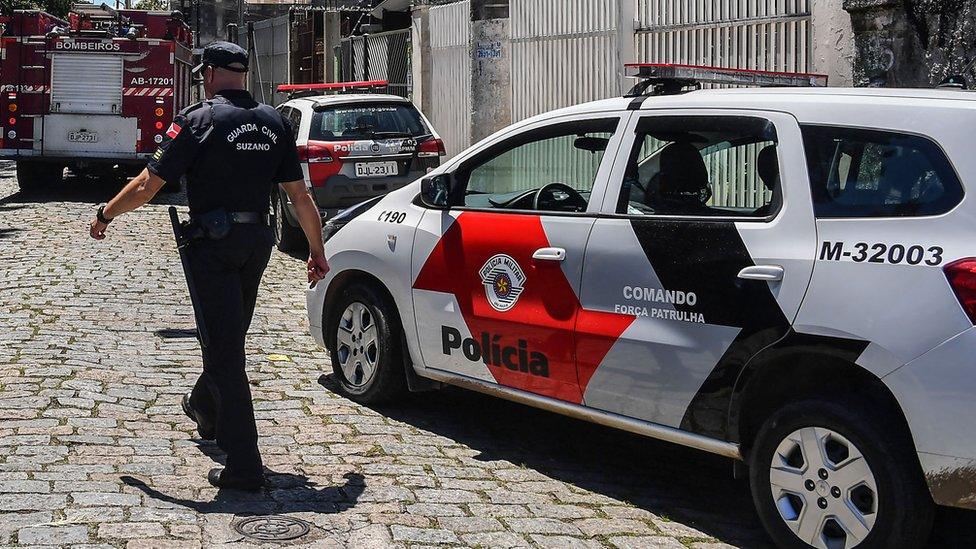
x: 705, y: 257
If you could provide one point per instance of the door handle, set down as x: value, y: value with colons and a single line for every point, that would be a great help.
x: 768, y: 273
x: 550, y: 254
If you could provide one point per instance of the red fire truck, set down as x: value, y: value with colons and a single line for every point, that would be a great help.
x: 95, y: 92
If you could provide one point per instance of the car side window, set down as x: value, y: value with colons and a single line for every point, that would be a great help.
x: 295, y: 119
x: 725, y: 166
x: 871, y: 173
x: 547, y: 169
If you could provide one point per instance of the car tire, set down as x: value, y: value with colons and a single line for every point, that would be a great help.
x: 287, y: 238
x: 32, y: 175
x: 363, y: 334
x: 865, y: 487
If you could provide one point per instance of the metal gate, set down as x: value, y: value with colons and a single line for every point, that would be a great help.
x: 380, y: 56
x: 269, y: 51
x: 450, y: 53
x: 564, y: 52
x: 769, y: 35
x: 748, y: 34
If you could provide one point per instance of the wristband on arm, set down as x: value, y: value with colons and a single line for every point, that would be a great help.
x: 100, y: 215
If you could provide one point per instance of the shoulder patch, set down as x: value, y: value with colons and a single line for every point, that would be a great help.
x: 174, y: 130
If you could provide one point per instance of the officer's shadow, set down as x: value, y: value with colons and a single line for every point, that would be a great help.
x: 284, y: 493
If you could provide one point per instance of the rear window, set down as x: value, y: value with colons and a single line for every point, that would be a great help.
x: 869, y: 173
x: 373, y: 121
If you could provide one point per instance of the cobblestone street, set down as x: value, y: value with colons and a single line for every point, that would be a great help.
x: 94, y: 448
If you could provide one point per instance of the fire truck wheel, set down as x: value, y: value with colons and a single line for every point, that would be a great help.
x: 36, y: 175
x: 287, y: 238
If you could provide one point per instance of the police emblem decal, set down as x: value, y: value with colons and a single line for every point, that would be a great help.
x: 503, y: 280
x: 391, y: 242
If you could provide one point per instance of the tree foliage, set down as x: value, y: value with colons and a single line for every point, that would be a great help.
x: 58, y: 8
x: 152, y: 5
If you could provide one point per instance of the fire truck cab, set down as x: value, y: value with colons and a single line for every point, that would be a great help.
x: 95, y: 92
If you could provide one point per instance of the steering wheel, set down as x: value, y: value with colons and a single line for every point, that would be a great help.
x: 575, y: 199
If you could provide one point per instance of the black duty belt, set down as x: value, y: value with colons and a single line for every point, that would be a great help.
x: 248, y: 218
x: 215, y: 225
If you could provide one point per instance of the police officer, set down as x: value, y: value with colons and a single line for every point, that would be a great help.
x: 232, y: 150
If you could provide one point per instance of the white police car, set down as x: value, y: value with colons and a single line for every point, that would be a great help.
x: 354, y: 142
x: 786, y: 277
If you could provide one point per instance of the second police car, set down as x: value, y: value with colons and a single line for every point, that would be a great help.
x: 354, y: 143
x: 786, y: 277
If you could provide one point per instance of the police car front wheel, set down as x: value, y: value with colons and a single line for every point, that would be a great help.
x: 287, y: 238
x: 365, y: 345
x: 832, y: 474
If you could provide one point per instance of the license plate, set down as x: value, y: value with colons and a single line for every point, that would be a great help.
x: 375, y: 169
x: 83, y: 137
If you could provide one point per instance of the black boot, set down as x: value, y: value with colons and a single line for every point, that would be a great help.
x: 221, y: 478
x: 205, y: 426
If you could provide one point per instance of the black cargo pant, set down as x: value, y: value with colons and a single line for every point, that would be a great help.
x: 227, y: 273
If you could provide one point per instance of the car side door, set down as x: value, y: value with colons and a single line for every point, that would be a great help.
x: 701, y: 260
x: 497, y: 275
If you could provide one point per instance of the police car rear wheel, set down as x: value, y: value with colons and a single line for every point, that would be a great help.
x: 832, y: 474
x: 367, y: 357
x: 287, y: 238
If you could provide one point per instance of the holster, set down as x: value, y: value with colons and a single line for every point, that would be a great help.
x: 213, y: 225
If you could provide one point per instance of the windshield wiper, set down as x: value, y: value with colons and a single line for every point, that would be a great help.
x: 388, y: 135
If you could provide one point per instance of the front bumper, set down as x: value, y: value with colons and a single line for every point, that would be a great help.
x: 315, y: 305
x: 340, y: 192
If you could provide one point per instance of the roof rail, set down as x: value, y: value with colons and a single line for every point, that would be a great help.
x: 671, y: 78
x: 302, y: 90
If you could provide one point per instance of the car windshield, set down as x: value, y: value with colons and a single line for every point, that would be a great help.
x: 366, y: 121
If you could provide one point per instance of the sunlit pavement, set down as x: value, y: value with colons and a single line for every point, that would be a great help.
x: 95, y: 450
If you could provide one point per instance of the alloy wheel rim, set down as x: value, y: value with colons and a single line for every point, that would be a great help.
x: 356, y: 344
x: 279, y: 211
x: 824, y: 488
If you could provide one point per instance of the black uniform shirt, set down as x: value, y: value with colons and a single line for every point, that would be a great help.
x: 232, y: 150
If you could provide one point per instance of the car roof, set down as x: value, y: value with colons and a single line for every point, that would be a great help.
x: 792, y: 100
x: 351, y: 98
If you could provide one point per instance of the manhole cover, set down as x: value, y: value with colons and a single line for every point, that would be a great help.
x: 273, y: 528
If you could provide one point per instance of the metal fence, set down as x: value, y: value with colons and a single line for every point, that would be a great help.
x: 450, y: 52
x: 749, y: 34
x: 381, y: 56
x: 564, y: 52
x: 269, y: 50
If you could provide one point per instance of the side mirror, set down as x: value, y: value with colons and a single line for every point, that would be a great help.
x: 435, y: 191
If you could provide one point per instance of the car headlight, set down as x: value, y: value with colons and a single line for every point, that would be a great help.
x: 329, y: 228
x: 341, y: 219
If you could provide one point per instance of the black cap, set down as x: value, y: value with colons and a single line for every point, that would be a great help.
x: 223, y: 55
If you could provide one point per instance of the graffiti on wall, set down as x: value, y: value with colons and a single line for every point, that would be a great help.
x: 913, y: 43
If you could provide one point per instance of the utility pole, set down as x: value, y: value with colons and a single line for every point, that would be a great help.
x: 491, y: 76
